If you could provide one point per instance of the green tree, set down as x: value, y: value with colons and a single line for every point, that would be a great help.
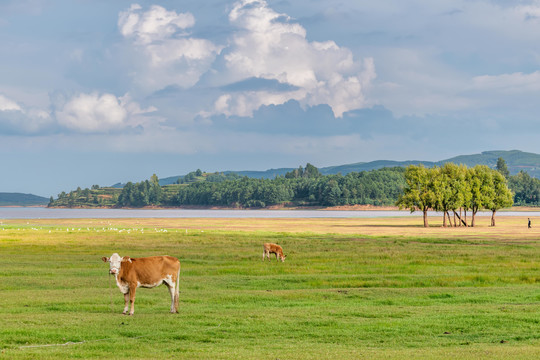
x: 502, y: 168
x: 481, y: 179
x: 502, y: 196
x: 155, y: 192
x: 418, y: 193
x: 448, y: 188
x: 526, y: 189
x: 311, y: 171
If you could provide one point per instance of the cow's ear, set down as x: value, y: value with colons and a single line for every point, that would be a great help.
x: 105, y: 259
x: 126, y: 258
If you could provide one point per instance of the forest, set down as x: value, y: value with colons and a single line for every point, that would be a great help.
x: 304, y: 186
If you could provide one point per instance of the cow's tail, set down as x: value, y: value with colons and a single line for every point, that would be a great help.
x: 177, y: 289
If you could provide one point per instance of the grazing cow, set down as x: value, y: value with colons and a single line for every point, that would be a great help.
x: 269, y: 248
x: 148, y: 272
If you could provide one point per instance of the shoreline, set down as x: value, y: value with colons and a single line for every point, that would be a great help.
x: 273, y: 207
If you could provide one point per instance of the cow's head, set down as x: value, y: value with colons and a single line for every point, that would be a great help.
x: 115, y: 262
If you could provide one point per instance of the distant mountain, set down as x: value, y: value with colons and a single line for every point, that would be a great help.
x: 372, y: 165
x: 515, y: 160
x: 18, y: 199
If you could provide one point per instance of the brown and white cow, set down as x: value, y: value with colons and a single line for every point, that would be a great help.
x: 148, y: 272
x: 269, y: 248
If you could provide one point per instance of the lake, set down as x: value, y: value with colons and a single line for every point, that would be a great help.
x: 46, y: 213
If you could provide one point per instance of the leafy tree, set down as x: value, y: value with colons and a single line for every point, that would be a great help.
x: 332, y: 193
x: 526, y: 189
x: 447, y: 190
x: 155, y: 192
x: 502, y: 168
x: 481, y: 179
x: 502, y: 196
x: 311, y: 172
x: 419, y: 192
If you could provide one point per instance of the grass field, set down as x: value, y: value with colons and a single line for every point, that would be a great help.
x: 349, y: 289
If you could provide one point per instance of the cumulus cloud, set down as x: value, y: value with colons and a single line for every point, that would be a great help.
x: 95, y: 113
x: 172, y: 56
x: 264, y: 47
x: 7, y: 104
x: 154, y: 24
x: 269, y: 45
x: 19, y: 119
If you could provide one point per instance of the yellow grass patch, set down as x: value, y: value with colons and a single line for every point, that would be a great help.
x: 508, y: 227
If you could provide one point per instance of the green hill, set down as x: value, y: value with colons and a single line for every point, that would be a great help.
x: 515, y: 160
x: 19, y: 199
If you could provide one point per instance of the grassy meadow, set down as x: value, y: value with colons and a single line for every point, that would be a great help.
x: 383, y: 288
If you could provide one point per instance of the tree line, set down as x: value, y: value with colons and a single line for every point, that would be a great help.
x: 306, y: 186
x: 302, y: 186
x: 457, y: 189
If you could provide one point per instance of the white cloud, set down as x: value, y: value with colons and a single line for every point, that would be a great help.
x: 94, y: 113
x: 153, y: 25
x: 8, y: 105
x: 270, y: 45
x: 18, y: 119
x: 509, y: 83
x: 171, y: 56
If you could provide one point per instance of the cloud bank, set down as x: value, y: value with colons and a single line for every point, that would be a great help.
x: 263, y: 45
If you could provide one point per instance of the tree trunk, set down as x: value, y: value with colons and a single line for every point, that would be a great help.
x: 460, y: 219
x: 473, y: 214
x: 444, y: 218
x: 425, y: 218
x: 450, y: 219
x: 455, y: 224
x: 493, y: 218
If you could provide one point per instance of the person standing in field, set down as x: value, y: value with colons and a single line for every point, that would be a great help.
x: 529, y: 224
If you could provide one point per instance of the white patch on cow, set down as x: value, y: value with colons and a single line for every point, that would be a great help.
x: 115, y: 262
x: 151, y: 285
x: 168, y: 279
x: 123, y: 286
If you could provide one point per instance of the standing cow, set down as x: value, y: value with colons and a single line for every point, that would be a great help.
x: 148, y: 272
x: 269, y: 248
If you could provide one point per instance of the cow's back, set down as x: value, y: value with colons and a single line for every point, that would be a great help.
x: 151, y: 269
x: 272, y: 248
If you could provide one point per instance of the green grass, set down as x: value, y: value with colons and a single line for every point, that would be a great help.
x: 336, y: 296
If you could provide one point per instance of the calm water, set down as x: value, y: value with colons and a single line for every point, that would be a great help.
x: 45, y: 213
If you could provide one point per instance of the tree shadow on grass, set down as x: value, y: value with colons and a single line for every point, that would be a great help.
x: 386, y: 226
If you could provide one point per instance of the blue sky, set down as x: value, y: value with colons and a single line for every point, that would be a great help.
x: 100, y: 91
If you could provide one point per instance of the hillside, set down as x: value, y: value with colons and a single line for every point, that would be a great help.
x: 515, y: 160
x: 19, y: 199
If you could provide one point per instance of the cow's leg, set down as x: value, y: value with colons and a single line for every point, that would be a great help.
x: 132, y: 289
x: 177, y: 290
x: 126, y: 303
x: 172, y: 290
